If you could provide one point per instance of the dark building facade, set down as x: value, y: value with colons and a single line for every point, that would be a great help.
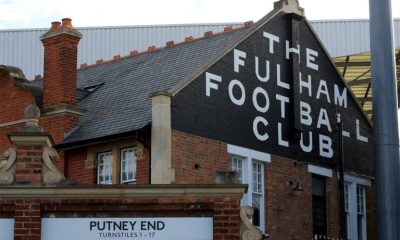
x: 170, y: 138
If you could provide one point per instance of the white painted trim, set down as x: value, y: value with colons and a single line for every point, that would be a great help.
x: 326, y: 172
x: 253, y: 154
x: 357, y: 180
x: 7, y: 124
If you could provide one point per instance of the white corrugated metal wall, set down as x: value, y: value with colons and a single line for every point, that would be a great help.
x: 22, y: 48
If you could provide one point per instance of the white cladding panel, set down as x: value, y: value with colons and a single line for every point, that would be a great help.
x: 6, y: 229
x: 22, y: 48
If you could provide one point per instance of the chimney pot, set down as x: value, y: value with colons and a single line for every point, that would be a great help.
x: 67, y: 23
x: 55, y: 26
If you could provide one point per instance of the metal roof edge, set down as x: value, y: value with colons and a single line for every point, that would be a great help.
x: 129, y: 26
x: 344, y: 20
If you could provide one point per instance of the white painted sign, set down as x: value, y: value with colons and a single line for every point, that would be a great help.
x: 127, y: 228
x: 7, y: 229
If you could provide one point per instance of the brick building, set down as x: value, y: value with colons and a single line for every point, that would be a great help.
x: 155, y: 136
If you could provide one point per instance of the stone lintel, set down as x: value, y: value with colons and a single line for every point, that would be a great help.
x: 31, y: 138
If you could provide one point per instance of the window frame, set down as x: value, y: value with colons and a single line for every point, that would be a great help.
x: 353, y: 183
x: 353, y: 214
x: 129, y: 181
x: 322, y: 200
x: 110, y: 153
x: 248, y: 157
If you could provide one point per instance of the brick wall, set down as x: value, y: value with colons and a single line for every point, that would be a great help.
x: 77, y: 169
x: 142, y: 167
x: 59, y: 124
x: 286, y: 206
x: 29, y: 165
x: 283, y: 205
x: 4, y: 141
x: 13, y: 101
x: 27, y: 219
x: 289, y: 212
x: 196, y: 159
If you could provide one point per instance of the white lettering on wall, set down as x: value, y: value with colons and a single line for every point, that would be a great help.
x: 309, y: 147
x: 263, y: 121
x: 272, y: 38
x: 338, y: 119
x: 258, y: 91
x: 291, y: 50
x: 323, y: 89
x: 238, y: 57
x: 310, y: 58
x: 237, y: 101
x: 304, y: 84
x: 278, y: 78
x: 323, y: 119
x: 283, y: 100
x: 325, y: 146
x: 317, y: 97
x: 267, y: 71
x: 305, y: 113
x: 281, y: 142
x: 359, y: 137
x: 340, y: 99
x: 211, y: 85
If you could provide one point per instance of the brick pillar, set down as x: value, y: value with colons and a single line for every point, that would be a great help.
x: 27, y: 220
x: 29, y: 164
x: 31, y: 143
x: 226, y: 219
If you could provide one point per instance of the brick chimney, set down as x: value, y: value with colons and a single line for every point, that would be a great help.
x: 60, y: 64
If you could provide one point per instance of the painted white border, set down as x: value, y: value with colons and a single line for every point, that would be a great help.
x: 188, y: 228
x: 357, y: 180
x: 326, y: 172
x: 253, y: 154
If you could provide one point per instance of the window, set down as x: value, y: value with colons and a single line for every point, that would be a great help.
x: 250, y: 166
x: 355, y: 207
x: 360, y: 212
x: 104, y: 168
x: 237, y: 166
x: 117, y: 165
x: 258, y: 192
x: 255, y: 179
x: 128, y: 165
x: 319, y: 205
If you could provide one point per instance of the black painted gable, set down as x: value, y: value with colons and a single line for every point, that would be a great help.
x: 292, y: 112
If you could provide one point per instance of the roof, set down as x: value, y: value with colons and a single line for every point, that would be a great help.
x: 117, y: 93
x: 356, y: 69
x: 21, y: 47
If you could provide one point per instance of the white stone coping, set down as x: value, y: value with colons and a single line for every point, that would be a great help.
x: 123, y: 192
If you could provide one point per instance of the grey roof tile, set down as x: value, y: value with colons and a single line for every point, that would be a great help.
x: 123, y: 103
